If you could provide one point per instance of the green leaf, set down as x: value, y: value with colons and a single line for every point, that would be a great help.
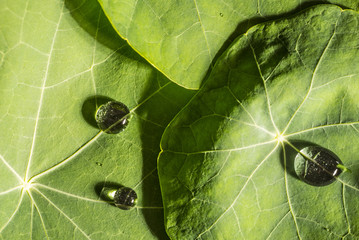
x: 182, y: 38
x: 59, y: 59
x: 226, y: 170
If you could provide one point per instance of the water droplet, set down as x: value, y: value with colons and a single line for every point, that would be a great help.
x: 112, y: 117
x: 99, y: 164
x: 221, y: 14
x: 125, y: 198
x: 317, y: 166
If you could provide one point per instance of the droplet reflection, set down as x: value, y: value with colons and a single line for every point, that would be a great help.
x: 317, y: 166
x: 112, y: 117
x: 125, y: 198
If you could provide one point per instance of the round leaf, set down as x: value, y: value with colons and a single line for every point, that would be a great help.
x: 226, y: 169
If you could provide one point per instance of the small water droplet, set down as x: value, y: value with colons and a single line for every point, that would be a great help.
x: 99, y: 164
x: 112, y: 117
x: 125, y: 198
x: 317, y: 166
x: 221, y: 14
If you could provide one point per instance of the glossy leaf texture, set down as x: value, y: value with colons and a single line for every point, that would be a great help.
x: 59, y: 59
x: 226, y: 169
x: 183, y: 38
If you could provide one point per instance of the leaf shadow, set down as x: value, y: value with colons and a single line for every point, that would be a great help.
x: 244, y: 26
x: 90, y: 106
x: 150, y: 141
x: 90, y: 17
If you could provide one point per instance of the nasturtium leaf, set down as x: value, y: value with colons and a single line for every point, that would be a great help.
x: 58, y: 59
x: 183, y: 38
x: 226, y: 167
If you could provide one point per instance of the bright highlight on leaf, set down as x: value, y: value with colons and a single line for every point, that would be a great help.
x: 26, y: 186
x: 280, y: 138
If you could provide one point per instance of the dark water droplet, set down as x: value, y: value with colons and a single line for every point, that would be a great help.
x: 125, y: 198
x: 317, y: 166
x: 221, y: 14
x: 112, y: 117
x: 99, y: 164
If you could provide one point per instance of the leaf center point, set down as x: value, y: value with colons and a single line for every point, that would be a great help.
x: 280, y: 137
x: 26, y: 186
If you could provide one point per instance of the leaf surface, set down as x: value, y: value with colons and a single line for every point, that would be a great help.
x: 183, y: 38
x: 226, y: 166
x: 59, y: 59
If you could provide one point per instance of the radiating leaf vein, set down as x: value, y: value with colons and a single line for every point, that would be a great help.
x: 312, y: 79
x: 42, y: 92
x: 240, y: 192
x: 62, y: 213
x: 40, y: 215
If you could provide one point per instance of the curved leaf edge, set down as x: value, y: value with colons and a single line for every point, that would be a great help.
x: 204, y: 84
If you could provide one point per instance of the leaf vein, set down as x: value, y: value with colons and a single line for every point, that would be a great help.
x: 42, y: 93
x: 14, y: 213
x: 11, y: 169
x: 277, y: 225
x: 287, y: 191
x: 64, y: 214
x: 203, y: 30
x: 240, y: 192
x: 38, y: 211
x: 265, y: 87
x: 312, y: 79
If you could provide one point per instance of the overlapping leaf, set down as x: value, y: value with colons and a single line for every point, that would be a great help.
x: 182, y: 38
x: 58, y: 59
x: 226, y: 169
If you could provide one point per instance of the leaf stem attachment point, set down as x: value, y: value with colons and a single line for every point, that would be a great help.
x: 26, y: 186
x: 280, y: 138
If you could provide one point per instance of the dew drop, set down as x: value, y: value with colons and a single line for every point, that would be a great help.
x: 317, y: 166
x: 99, y: 164
x: 112, y: 117
x: 221, y: 14
x: 125, y: 198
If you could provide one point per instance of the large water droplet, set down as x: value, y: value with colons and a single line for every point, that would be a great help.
x: 317, y: 166
x: 125, y: 198
x: 112, y: 117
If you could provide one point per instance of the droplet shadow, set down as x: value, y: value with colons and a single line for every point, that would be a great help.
x: 90, y: 106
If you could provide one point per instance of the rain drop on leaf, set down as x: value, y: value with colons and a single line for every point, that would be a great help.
x: 112, y: 117
x: 122, y: 197
x: 317, y: 166
x: 125, y: 198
